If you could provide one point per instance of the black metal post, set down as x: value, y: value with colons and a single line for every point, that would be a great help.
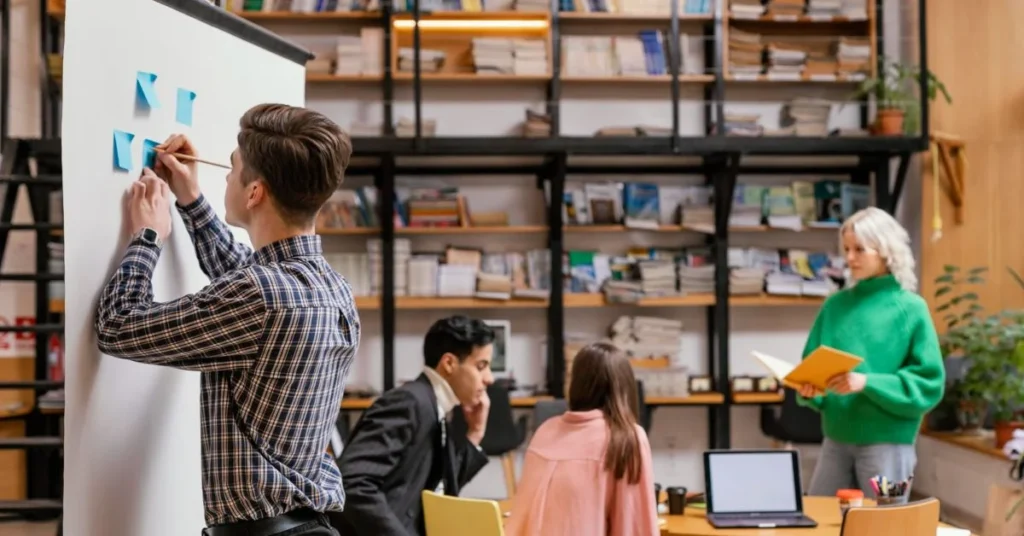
x: 922, y: 44
x: 417, y: 88
x: 5, y: 69
x: 883, y: 185
x: 385, y: 183
x: 725, y: 185
x: 556, y: 307
x: 674, y: 62
x: 901, y: 179
x: 388, y: 81
x: 554, y: 93
x: 720, y: 67
x: 710, y: 332
x: 39, y: 462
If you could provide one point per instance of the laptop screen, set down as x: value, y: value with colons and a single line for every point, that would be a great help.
x: 752, y: 482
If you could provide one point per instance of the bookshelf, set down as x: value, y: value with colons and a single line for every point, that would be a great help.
x: 720, y: 158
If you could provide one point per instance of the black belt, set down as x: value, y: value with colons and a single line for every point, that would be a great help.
x: 265, y: 527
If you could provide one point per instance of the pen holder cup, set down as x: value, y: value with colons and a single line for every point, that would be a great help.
x: 885, y: 501
x: 676, y: 500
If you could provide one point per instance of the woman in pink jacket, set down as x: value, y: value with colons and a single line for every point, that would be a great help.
x: 588, y: 472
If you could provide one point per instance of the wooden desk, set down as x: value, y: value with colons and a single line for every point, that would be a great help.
x: 355, y: 404
x: 824, y: 510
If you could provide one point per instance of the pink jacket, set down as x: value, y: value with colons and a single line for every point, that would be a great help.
x: 565, y: 491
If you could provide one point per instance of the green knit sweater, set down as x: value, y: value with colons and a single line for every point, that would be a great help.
x: 892, y: 331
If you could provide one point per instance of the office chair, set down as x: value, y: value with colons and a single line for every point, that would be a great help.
x: 918, y: 518
x: 791, y: 423
x: 456, y: 516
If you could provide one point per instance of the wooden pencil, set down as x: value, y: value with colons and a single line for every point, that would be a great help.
x: 194, y: 159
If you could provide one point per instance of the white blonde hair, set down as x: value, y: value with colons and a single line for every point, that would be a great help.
x: 877, y: 230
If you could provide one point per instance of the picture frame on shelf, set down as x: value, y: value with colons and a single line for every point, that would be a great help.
x: 502, y: 337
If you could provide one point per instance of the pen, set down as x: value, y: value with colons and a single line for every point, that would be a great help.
x: 874, y: 485
x: 885, y: 487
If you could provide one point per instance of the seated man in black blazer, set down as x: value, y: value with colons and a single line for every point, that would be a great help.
x: 400, y: 446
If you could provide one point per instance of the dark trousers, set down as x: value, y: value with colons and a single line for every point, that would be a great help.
x: 298, y: 523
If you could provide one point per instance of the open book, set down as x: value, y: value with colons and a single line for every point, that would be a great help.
x: 816, y: 369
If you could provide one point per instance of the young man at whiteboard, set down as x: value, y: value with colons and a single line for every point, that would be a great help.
x: 273, y: 334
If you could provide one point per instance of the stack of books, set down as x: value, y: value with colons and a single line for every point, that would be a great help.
x: 786, y: 60
x: 406, y: 128
x: 824, y: 8
x: 402, y: 253
x: 807, y: 116
x: 746, y: 281
x: 431, y: 61
x: 786, y: 8
x: 746, y: 9
x: 745, y: 53
x: 821, y: 61
x: 530, y: 57
x: 657, y: 277
x: 537, y: 125
x: 647, y: 337
x: 742, y: 124
x: 493, y: 55
x: 854, y: 9
x: 349, y: 58
x: 699, y: 279
x: 854, y: 55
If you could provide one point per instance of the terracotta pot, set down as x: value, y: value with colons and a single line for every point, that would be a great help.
x: 889, y: 122
x: 1004, y: 429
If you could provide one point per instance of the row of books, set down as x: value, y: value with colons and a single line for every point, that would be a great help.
x: 663, y: 272
x: 629, y: 55
x: 824, y: 204
x: 361, y: 54
x: 783, y: 9
x: 794, y: 57
x: 636, y: 7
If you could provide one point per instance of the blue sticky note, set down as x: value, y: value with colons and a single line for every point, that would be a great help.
x: 183, y: 114
x: 145, y: 90
x: 123, y: 150
x: 149, y: 153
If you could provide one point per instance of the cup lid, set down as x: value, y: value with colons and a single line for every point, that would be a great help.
x: 850, y: 494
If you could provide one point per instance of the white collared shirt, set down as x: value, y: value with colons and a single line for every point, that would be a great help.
x: 446, y: 399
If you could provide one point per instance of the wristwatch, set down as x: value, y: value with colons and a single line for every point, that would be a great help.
x: 148, y: 236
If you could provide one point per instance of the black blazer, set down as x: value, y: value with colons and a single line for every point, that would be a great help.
x: 394, y: 454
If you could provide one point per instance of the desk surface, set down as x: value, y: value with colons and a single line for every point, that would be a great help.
x: 824, y: 510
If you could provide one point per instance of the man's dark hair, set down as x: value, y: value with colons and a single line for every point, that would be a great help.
x: 458, y: 335
x: 301, y: 155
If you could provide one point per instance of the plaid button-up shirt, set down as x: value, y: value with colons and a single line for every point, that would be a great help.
x: 273, y: 335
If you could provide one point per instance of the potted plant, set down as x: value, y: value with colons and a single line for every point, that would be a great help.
x: 992, y: 348
x: 895, y: 95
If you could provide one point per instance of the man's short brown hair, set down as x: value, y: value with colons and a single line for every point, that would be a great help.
x: 301, y: 155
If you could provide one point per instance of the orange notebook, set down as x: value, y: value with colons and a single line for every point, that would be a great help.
x: 816, y: 369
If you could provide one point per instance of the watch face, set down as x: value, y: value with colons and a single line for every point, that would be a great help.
x: 149, y: 234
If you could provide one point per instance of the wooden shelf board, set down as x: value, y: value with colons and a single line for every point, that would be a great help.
x: 639, y: 79
x: 354, y: 403
x: 620, y: 229
x: 774, y: 300
x: 350, y: 231
x: 628, y: 17
x: 757, y: 398
x: 416, y: 302
x: 804, y: 79
x: 800, y: 19
x: 482, y: 229
x: 471, y: 77
x: 367, y: 302
x: 319, y: 16
x: 982, y: 443
x: 696, y: 399
x: 474, y: 15
x: 581, y: 300
x: 339, y: 78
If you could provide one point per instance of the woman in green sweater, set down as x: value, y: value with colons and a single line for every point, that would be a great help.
x: 871, y: 416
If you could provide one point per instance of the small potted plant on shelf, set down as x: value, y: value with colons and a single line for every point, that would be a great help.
x: 899, y: 109
x: 992, y: 350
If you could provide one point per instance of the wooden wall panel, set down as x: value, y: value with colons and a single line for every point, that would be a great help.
x: 974, y: 47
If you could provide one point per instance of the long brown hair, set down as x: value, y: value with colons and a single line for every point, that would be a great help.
x: 602, y: 378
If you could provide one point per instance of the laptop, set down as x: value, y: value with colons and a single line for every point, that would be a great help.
x: 754, y: 489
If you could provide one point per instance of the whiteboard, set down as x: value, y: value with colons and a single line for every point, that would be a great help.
x: 132, y: 460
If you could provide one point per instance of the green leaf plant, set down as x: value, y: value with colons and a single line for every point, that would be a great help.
x: 991, y: 345
x: 896, y: 89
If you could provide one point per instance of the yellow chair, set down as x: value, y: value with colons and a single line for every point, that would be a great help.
x: 455, y: 516
x: 919, y: 518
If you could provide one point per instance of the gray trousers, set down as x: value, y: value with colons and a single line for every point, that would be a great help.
x: 843, y: 466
